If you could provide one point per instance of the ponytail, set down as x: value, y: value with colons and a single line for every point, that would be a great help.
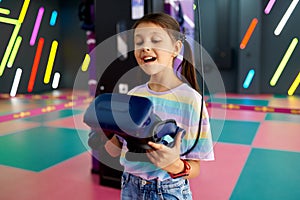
x: 187, y: 66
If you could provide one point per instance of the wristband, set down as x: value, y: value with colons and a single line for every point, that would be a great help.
x: 185, y: 172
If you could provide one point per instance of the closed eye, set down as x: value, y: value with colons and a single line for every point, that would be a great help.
x: 156, y: 41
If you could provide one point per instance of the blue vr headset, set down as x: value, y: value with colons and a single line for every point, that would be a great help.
x: 130, y: 117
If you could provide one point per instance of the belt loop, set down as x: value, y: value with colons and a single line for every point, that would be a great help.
x: 158, y: 187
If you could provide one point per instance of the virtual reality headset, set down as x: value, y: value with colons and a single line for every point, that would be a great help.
x: 130, y: 117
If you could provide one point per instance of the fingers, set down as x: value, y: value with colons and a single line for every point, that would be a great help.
x: 156, y: 146
x: 178, y: 138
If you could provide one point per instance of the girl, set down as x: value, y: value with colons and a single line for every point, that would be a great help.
x: 158, y: 42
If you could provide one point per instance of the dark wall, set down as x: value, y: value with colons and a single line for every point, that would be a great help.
x: 219, y: 38
x: 67, y: 31
x: 274, y: 47
x: 264, y: 50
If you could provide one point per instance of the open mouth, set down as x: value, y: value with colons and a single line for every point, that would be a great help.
x: 149, y: 59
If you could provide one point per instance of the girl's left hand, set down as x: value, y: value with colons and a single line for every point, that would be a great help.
x: 163, y: 156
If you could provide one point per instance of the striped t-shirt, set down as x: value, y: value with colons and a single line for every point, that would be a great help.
x: 183, y: 104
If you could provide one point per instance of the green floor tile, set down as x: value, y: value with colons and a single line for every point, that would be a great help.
x: 42, y: 147
x: 248, y: 102
x: 283, y: 117
x: 54, y: 115
x: 269, y: 175
x: 240, y: 132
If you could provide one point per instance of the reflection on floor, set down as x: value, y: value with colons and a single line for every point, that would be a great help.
x: 44, y: 154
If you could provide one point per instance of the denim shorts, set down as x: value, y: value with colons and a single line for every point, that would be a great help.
x: 136, y: 188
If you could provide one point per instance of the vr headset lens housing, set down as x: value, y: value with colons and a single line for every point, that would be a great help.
x: 132, y: 118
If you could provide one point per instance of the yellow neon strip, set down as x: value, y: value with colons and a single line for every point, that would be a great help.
x: 4, y: 11
x: 9, y: 21
x: 50, y: 62
x: 14, y: 52
x: 9, y: 47
x: 294, y: 85
x: 23, y: 11
x: 284, y: 61
x: 86, y: 62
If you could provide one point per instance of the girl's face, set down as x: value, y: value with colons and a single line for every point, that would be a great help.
x: 154, y: 48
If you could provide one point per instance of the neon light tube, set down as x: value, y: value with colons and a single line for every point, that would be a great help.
x: 16, y: 82
x: 23, y: 11
x: 248, y: 33
x: 4, y: 11
x: 9, y: 47
x: 53, y: 18
x: 294, y: 85
x: 50, y: 62
x: 269, y: 6
x: 285, y: 17
x: 249, y: 78
x: 35, y: 65
x: 86, y: 62
x: 9, y: 21
x: 14, y: 52
x: 36, y: 26
x: 56, y: 79
x: 283, y: 62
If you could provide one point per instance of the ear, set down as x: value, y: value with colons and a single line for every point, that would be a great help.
x: 178, y: 46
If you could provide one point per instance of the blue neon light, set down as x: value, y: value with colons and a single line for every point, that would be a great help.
x: 249, y: 78
x: 53, y: 18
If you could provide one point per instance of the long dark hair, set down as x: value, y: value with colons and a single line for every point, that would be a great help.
x: 169, y: 23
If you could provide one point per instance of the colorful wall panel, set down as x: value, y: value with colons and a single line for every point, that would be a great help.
x: 42, y: 45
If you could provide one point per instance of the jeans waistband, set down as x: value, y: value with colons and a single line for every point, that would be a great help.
x: 154, y: 183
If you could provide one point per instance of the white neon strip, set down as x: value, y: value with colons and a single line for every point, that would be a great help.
x: 294, y: 86
x: 16, y: 82
x: 122, y: 46
x: 189, y: 21
x: 56, y: 80
x: 286, y: 17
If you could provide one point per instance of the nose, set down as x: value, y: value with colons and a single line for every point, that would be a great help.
x: 146, y: 48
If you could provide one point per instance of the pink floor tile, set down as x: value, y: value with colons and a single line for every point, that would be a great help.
x: 218, y: 178
x: 70, y: 122
x: 289, y: 102
x: 68, y: 180
x: 278, y: 135
x: 16, y: 125
x: 216, y: 113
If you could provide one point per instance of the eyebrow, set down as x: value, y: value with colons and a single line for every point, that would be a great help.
x: 153, y: 32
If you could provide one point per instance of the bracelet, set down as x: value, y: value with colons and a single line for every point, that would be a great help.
x: 185, y: 172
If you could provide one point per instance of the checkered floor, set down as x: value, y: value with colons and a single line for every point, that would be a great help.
x: 44, y: 154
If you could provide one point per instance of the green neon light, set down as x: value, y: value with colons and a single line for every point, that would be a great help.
x: 14, y: 51
x: 4, y: 11
x: 284, y: 61
x: 9, y: 47
x: 9, y: 21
